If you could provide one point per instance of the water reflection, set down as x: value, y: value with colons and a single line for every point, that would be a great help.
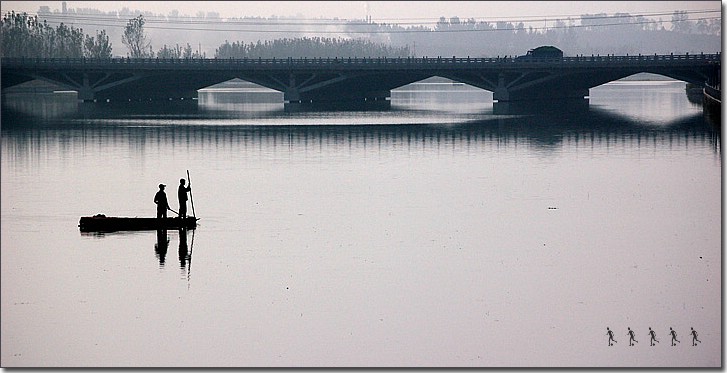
x: 438, y: 95
x: 421, y: 119
x: 363, y: 106
x: 233, y: 103
x: 161, y: 246
x: 46, y: 105
x: 546, y: 132
x: 185, y: 253
x: 566, y: 107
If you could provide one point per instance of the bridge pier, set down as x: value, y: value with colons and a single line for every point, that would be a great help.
x: 85, y: 91
x: 291, y: 95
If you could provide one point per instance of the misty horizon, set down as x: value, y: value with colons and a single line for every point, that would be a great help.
x: 657, y: 32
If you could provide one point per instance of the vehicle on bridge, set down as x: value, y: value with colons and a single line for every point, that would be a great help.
x: 543, y: 52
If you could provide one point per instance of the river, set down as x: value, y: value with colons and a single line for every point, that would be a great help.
x: 442, y: 232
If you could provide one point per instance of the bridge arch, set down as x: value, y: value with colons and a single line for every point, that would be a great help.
x: 352, y: 79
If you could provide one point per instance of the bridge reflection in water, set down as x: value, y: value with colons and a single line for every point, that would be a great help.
x: 546, y: 132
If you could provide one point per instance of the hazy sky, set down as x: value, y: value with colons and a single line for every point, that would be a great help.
x: 381, y: 11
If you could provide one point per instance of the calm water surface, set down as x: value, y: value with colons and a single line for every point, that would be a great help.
x: 445, y: 231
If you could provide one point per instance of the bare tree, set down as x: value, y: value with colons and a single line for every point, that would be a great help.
x: 135, y: 38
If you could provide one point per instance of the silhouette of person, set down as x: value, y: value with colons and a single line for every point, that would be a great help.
x: 653, y: 337
x: 694, y: 337
x: 631, y: 337
x: 182, y: 195
x: 161, y: 246
x: 609, y: 332
x: 183, y: 253
x: 673, y: 336
x: 161, y: 200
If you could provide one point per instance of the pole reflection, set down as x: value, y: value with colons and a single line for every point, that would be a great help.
x: 185, y: 254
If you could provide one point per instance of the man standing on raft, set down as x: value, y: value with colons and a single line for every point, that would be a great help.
x: 182, y: 195
x: 160, y: 198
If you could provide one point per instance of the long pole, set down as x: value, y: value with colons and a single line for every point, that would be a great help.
x: 190, y: 194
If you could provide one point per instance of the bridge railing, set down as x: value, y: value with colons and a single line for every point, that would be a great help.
x: 356, y: 61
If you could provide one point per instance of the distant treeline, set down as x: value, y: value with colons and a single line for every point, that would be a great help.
x: 177, y: 52
x: 620, y: 33
x: 25, y: 36
x: 208, y: 34
x: 309, y: 47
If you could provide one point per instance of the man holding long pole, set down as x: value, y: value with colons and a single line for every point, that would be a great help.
x: 182, y: 195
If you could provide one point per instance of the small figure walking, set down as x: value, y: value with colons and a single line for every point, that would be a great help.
x: 631, y: 337
x: 609, y: 332
x: 653, y: 337
x: 694, y: 338
x: 673, y: 336
x: 161, y: 200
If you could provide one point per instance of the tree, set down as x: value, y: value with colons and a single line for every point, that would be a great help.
x: 136, y: 39
x: 170, y: 52
x: 680, y: 22
x: 188, y: 53
x: 98, y: 46
x: 307, y: 47
x: 715, y: 27
x: 702, y: 26
x: 25, y: 36
x: 442, y: 24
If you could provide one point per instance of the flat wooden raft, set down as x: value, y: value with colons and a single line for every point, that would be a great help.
x: 103, y: 223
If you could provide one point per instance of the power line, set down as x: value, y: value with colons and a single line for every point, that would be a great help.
x: 539, y: 18
x: 400, y: 31
x: 79, y: 17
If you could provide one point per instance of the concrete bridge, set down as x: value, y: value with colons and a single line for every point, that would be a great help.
x: 333, y: 80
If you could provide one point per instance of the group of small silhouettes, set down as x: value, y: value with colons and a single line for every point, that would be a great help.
x: 160, y: 198
x: 652, y: 335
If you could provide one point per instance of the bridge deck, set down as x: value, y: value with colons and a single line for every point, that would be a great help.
x: 362, y: 63
x: 352, y: 78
